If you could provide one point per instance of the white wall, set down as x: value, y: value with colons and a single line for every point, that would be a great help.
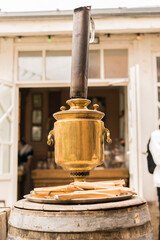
x: 6, y: 191
x: 6, y: 59
x: 45, y: 26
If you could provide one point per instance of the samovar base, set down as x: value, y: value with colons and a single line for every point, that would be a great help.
x: 79, y: 176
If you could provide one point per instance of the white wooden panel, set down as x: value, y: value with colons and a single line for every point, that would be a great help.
x: 6, y: 59
x: 145, y: 114
x: 8, y: 142
x: 6, y: 191
x: 132, y: 127
x: 54, y: 26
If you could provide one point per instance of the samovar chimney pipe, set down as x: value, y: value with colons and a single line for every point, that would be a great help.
x: 80, y: 46
x: 78, y: 133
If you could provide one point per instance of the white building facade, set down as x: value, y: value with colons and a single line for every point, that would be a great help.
x: 117, y: 29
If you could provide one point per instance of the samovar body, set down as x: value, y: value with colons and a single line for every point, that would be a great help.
x: 79, y: 138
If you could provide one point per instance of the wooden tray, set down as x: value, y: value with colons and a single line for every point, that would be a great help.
x: 78, y: 201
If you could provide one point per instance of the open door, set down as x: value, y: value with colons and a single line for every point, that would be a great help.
x: 8, y: 143
x: 133, y: 127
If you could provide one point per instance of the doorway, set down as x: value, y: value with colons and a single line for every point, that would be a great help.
x: 37, y: 106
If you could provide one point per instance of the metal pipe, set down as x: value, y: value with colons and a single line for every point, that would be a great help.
x: 80, y: 46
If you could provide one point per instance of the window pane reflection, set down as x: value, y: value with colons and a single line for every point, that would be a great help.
x: 158, y: 94
x: 158, y: 113
x: 158, y: 69
x: 5, y: 119
x: 94, y: 64
x: 6, y: 158
x: 30, y: 65
x: 58, y: 65
x: 116, y: 63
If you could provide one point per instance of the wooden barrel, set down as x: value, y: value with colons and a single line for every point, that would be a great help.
x: 4, y: 215
x: 128, y: 219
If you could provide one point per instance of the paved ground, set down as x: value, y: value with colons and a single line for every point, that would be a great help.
x: 154, y: 211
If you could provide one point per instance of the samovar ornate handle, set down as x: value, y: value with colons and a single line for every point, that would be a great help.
x: 107, y: 132
x: 50, y: 139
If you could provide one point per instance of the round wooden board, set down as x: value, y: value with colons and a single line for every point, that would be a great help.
x: 24, y: 204
x: 78, y: 201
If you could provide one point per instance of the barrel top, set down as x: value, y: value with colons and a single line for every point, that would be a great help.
x: 24, y: 204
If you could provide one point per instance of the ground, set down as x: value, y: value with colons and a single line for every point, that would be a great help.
x: 154, y: 211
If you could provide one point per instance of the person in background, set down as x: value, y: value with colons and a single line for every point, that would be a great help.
x: 25, y: 156
x: 154, y: 147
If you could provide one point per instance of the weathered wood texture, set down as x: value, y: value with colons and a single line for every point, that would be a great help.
x: 154, y: 212
x: 119, y: 220
x: 24, y: 204
x: 133, y: 234
x: 4, y: 215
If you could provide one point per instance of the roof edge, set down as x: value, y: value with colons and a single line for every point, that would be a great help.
x: 96, y: 13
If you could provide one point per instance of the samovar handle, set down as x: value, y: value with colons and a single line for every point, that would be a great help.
x: 50, y: 139
x: 107, y: 132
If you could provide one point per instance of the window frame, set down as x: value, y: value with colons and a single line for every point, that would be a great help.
x: 102, y: 81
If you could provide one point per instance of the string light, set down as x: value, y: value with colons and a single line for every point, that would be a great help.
x: 49, y: 39
x: 108, y: 35
x: 138, y: 37
x: 19, y: 38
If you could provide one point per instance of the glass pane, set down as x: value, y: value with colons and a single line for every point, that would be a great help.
x: 158, y: 69
x: 58, y: 65
x: 5, y: 96
x: 116, y: 63
x: 5, y: 130
x: 94, y: 64
x: 158, y: 94
x: 5, y: 119
x: 30, y: 65
x: 158, y: 113
x: 6, y: 159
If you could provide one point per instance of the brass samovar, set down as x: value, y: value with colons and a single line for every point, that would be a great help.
x: 78, y: 133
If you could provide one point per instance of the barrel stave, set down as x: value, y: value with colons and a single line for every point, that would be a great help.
x: 107, y: 222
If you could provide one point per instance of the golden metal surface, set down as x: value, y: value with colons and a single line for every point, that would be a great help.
x: 78, y: 109
x: 50, y: 140
x: 79, y: 143
x: 108, y: 140
x: 63, y: 108
x: 79, y: 138
x: 95, y: 106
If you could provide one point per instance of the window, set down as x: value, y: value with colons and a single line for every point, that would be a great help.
x: 30, y: 65
x: 5, y: 126
x: 94, y: 64
x: 158, y: 69
x: 6, y: 158
x: 158, y: 87
x: 5, y: 93
x: 116, y: 63
x: 58, y: 65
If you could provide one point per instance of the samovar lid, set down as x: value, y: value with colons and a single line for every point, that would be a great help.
x: 78, y: 109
